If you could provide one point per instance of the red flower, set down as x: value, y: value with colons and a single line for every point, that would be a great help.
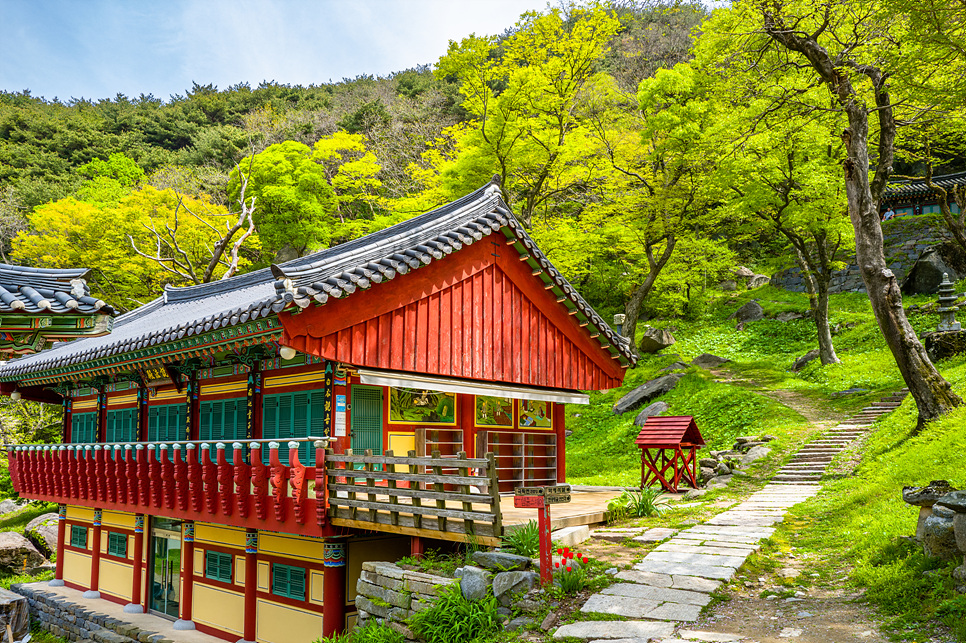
x: 585, y: 560
x: 568, y: 568
x: 560, y: 551
x: 556, y: 564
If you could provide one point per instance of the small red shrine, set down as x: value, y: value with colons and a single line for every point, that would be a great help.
x: 669, y: 444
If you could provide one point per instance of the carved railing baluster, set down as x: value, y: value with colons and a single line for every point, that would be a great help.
x: 225, y: 491
x: 84, y: 464
x: 73, y: 470
x: 120, y: 474
x: 110, y: 472
x: 195, y: 482
x: 154, y: 475
x: 131, y: 467
x: 100, y: 486
x: 321, y: 488
x: 29, y: 470
x: 297, y: 474
x: 279, y: 481
x: 180, y: 478
x: 259, y: 482
x: 209, y: 479
x: 242, y: 479
x: 167, y: 477
x: 144, y: 486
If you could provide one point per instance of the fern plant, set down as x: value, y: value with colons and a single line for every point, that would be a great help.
x: 454, y: 618
x: 523, y: 540
x: 637, y: 504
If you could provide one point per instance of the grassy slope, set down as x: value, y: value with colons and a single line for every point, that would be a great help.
x: 857, y: 526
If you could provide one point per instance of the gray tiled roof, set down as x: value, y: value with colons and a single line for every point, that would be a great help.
x: 918, y: 187
x: 26, y: 290
x: 335, y: 272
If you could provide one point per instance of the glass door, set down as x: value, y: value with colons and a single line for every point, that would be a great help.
x: 165, y: 566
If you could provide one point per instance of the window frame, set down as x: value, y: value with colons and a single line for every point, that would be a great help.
x: 211, y: 555
x: 288, y: 583
x: 113, y: 538
x: 78, y: 529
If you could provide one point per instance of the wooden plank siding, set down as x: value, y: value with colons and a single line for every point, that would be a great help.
x: 471, y: 315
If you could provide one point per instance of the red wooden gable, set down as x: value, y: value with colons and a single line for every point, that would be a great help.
x: 478, y: 313
x: 668, y: 432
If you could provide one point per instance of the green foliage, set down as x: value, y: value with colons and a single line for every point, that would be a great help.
x: 454, y: 618
x: 637, y: 504
x: 372, y: 633
x: 523, y: 540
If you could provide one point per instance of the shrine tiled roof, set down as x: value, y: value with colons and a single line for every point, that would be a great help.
x: 918, y: 187
x: 45, y: 291
x: 336, y: 272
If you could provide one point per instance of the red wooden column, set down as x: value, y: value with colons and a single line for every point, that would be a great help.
x: 334, y: 555
x: 560, y: 428
x: 95, y: 557
x: 467, y: 421
x: 251, y: 584
x: 187, y: 578
x: 135, y: 606
x: 58, y: 580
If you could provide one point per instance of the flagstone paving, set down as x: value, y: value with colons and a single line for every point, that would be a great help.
x: 673, y: 582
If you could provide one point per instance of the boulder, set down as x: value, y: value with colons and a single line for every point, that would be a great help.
x: 939, y: 536
x: 758, y: 281
x: 710, y: 463
x: 14, y: 613
x: 473, y: 583
x: 655, y: 339
x: 707, y: 360
x: 800, y: 363
x: 506, y: 585
x: 955, y: 500
x: 744, y: 273
x: 705, y: 474
x: 927, y: 273
x: 646, y: 392
x: 755, y: 453
x: 500, y: 561
x: 675, y: 366
x: 744, y: 439
x: 657, y: 408
x: 752, y: 311
x: 571, y: 536
x: 928, y: 495
x: 17, y: 553
x: 722, y: 469
x: 959, y: 529
x: 728, y: 285
x: 8, y: 506
x: 42, y: 532
x: 789, y: 315
x: 924, y: 513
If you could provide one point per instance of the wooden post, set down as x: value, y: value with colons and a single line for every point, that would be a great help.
x: 187, y: 578
x: 135, y: 607
x: 560, y: 451
x: 95, y: 557
x: 251, y: 584
x: 334, y: 556
x: 58, y: 580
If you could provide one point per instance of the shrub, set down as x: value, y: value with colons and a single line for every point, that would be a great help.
x: 454, y: 618
x: 371, y: 633
x: 523, y: 540
x: 570, y: 572
x: 637, y: 504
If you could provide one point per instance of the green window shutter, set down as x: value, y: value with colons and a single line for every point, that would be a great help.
x: 288, y: 581
x: 286, y: 416
x: 117, y: 545
x: 366, y: 419
x: 154, y: 419
x: 78, y: 536
x: 83, y: 428
x: 218, y: 566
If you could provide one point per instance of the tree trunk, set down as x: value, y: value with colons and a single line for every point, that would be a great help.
x: 826, y: 351
x: 932, y: 393
x: 816, y: 283
x: 632, y: 309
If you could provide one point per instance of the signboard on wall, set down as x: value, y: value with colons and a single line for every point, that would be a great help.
x: 340, y: 416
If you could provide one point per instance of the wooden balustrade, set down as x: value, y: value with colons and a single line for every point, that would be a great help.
x: 410, y: 495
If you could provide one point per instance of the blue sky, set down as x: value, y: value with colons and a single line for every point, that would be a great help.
x: 98, y: 48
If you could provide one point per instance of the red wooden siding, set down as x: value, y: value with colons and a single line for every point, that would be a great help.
x: 669, y: 430
x: 471, y: 314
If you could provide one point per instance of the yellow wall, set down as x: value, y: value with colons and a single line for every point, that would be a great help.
x: 388, y: 549
x: 402, y: 443
x: 316, y: 587
x: 219, y: 535
x: 169, y: 394
x: 120, y: 400
x: 264, y: 571
x: 239, y: 386
x: 77, y: 568
x: 294, y: 379
x: 118, y: 519
x: 301, y: 548
x: 285, y: 624
x: 85, y: 514
x: 116, y: 579
x: 240, y: 570
x: 220, y: 608
x: 85, y: 405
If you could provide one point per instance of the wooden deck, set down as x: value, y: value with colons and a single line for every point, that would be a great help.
x: 586, y: 507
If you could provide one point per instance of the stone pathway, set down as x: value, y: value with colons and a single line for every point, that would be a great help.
x: 671, y: 585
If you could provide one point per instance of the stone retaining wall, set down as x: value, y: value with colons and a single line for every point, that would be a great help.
x: 391, y: 594
x: 904, y: 239
x: 68, y: 620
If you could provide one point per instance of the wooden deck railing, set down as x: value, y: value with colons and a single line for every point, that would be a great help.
x: 433, y: 497
x: 371, y: 492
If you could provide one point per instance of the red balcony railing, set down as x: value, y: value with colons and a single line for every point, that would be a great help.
x: 169, y: 479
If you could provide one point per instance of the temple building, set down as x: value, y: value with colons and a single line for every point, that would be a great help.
x: 234, y: 451
x: 912, y: 197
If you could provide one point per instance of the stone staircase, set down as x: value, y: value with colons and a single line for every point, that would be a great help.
x: 809, y: 464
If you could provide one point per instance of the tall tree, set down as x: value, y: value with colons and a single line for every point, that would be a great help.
x: 782, y: 47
